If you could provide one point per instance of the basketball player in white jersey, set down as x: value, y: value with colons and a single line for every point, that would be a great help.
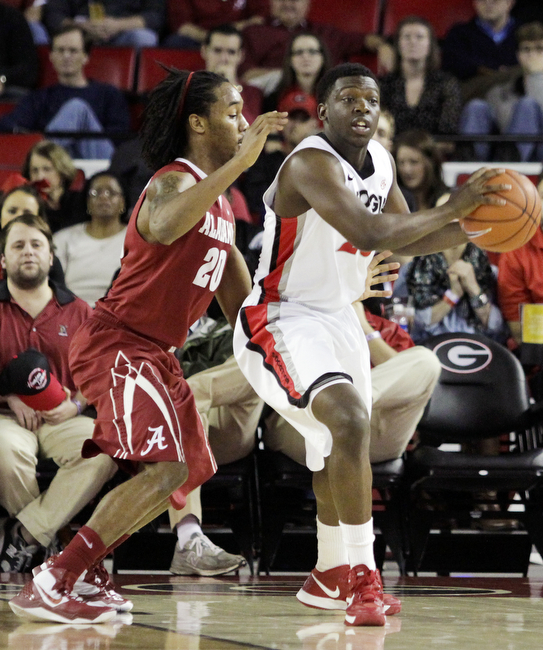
x: 334, y: 201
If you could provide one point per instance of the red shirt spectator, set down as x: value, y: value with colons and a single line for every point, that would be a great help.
x: 50, y: 332
x: 212, y: 13
x: 392, y: 333
x: 520, y: 280
x: 190, y: 20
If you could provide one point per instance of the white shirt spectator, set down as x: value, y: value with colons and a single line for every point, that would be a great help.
x: 89, y: 263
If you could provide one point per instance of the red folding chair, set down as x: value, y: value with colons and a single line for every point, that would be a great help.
x: 14, y: 147
x: 442, y: 15
x: 112, y: 65
x: 150, y: 71
x: 348, y: 15
x: 7, y: 107
x: 369, y: 60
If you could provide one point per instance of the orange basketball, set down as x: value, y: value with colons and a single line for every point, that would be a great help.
x: 514, y: 223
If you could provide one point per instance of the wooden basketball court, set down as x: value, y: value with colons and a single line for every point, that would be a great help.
x: 235, y: 612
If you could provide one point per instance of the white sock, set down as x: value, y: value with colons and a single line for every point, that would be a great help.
x: 358, y: 541
x: 331, y: 551
x: 186, y: 529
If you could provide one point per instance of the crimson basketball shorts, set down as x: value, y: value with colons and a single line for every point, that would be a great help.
x: 290, y: 352
x: 146, y: 412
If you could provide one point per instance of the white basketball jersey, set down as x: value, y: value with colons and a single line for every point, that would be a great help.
x: 304, y: 259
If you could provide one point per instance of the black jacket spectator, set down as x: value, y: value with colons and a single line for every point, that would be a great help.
x: 152, y: 11
x: 467, y: 48
x: 18, y: 54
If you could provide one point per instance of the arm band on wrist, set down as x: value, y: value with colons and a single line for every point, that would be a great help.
x: 373, y: 335
x: 78, y: 406
x: 451, y: 298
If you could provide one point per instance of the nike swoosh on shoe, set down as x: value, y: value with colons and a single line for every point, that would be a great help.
x: 328, y: 592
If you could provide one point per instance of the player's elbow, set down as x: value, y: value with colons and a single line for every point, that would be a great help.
x: 161, y: 228
x: 161, y: 233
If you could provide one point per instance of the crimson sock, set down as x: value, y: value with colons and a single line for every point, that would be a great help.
x: 80, y: 554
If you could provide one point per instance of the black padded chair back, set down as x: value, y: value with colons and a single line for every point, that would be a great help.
x: 481, y: 392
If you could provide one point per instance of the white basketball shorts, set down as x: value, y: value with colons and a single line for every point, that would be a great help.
x: 289, y: 353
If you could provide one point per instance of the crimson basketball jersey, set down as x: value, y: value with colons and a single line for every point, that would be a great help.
x: 162, y: 289
x: 306, y: 260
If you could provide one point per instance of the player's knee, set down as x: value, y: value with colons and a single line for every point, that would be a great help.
x: 351, y: 431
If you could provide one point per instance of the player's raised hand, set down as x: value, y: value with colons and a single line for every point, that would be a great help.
x: 255, y: 136
x: 478, y: 190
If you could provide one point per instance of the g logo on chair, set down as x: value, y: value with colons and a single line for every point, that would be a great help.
x: 463, y: 356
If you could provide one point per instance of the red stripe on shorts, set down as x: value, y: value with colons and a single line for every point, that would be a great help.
x: 254, y: 321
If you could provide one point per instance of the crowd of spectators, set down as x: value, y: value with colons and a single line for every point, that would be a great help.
x: 484, y: 77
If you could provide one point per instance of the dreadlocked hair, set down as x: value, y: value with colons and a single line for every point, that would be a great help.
x: 165, y: 130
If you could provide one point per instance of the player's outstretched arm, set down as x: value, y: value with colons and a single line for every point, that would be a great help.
x: 313, y: 178
x: 174, y: 202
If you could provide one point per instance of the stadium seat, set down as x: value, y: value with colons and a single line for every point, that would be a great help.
x: 6, y: 107
x: 442, y: 15
x: 112, y: 65
x: 151, y: 73
x: 481, y: 394
x: 47, y: 75
x: 14, y: 147
x: 369, y: 60
x: 348, y: 15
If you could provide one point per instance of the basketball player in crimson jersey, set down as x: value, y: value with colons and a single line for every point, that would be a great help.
x: 179, y: 251
x: 297, y: 338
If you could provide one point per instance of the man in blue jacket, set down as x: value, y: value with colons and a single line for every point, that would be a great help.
x: 482, y: 52
x: 75, y: 103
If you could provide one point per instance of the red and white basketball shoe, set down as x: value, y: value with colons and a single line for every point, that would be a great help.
x: 45, y: 598
x: 326, y: 589
x: 329, y: 590
x: 393, y: 605
x: 365, y: 604
x: 94, y: 587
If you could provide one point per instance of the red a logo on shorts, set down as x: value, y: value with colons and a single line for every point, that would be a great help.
x: 156, y: 439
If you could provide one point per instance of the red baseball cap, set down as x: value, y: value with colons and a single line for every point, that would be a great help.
x: 28, y: 376
x: 297, y: 100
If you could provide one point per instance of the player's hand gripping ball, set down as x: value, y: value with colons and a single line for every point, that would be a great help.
x: 505, y: 228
